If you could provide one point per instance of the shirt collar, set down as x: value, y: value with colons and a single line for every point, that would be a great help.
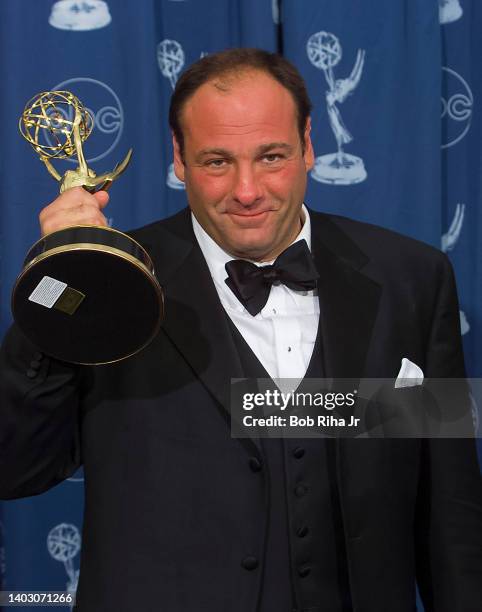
x: 217, y: 258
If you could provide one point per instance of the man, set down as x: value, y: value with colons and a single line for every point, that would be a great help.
x: 178, y: 515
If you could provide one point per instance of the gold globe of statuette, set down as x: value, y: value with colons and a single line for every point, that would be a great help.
x: 47, y: 123
x: 56, y: 123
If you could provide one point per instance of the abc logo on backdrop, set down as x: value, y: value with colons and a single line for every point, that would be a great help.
x: 106, y: 109
x: 457, y: 103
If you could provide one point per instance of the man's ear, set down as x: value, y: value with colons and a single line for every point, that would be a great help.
x: 179, y: 168
x: 309, y: 154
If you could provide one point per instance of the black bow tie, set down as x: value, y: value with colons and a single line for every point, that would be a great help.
x: 251, y: 284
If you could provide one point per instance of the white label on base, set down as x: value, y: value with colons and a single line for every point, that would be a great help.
x: 47, y: 292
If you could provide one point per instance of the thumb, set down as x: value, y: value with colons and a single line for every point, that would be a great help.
x: 102, y: 198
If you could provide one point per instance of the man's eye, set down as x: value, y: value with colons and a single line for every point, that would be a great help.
x: 215, y: 163
x: 271, y: 158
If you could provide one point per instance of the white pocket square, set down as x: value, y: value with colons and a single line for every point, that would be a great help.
x: 410, y: 375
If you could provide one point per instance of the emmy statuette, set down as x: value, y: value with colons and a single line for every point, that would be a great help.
x: 87, y: 294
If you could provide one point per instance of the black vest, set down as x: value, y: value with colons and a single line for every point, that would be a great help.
x: 305, y: 567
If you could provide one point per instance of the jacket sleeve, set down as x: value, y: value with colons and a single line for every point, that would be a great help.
x: 39, y: 418
x: 449, y: 510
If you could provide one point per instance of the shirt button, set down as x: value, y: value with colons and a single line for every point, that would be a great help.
x: 38, y: 356
x: 255, y: 464
x: 302, y: 531
x: 249, y: 563
x: 298, y: 452
x: 35, y: 364
x: 31, y: 373
x: 304, y: 571
x: 301, y: 490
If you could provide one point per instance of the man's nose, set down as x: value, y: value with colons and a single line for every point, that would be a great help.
x: 247, y: 188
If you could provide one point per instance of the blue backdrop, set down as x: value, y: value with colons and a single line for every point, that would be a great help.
x: 396, y: 129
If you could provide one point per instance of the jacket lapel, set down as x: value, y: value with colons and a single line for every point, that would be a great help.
x: 348, y: 299
x: 349, y: 302
x: 195, y: 320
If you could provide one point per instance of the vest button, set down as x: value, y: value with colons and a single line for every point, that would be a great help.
x: 298, y: 452
x: 31, y: 373
x: 249, y: 563
x: 301, y: 490
x: 304, y: 571
x: 255, y: 464
x: 302, y: 531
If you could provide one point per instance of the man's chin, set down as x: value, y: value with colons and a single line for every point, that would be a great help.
x: 254, y: 250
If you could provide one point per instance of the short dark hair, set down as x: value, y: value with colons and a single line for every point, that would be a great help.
x: 232, y: 62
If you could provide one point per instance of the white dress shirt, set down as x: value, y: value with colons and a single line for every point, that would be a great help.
x: 282, y: 335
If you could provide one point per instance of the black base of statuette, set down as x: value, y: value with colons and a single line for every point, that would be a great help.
x: 88, y: 295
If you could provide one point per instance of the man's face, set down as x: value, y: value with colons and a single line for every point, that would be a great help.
x: 244, y: 166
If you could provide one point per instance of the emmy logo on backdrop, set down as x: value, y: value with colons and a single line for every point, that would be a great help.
x: 464, y: 323
x: 170, y: 58
x: 80, y: 15
x: 475, y: 414
x: 340, y: 168
x: 449, y: 11
x: 451, y: 237
x: 63, y: 544
x: 78, y: 476
x: 448, y: 242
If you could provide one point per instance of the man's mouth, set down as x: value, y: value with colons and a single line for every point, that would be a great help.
x: 249, y: 219
x: 250, y: 214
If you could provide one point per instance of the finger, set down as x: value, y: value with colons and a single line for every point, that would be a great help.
x: 102, y: 198
x: 83, y: 215
x: 76, y: 200
x: 72, y: 198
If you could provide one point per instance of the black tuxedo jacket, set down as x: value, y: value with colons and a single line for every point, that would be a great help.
x: 173, y: 510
